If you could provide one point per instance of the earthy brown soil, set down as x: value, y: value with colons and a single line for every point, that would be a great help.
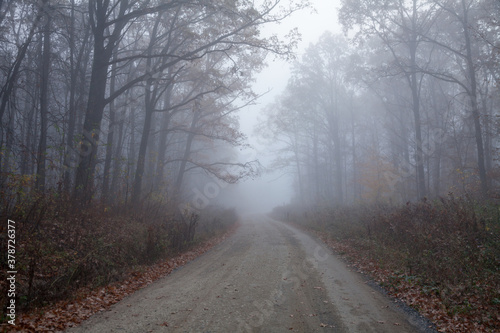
x: 267, y: 277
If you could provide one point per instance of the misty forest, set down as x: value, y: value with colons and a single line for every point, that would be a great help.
x: 120, y: 134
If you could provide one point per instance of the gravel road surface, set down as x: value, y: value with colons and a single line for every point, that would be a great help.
x: 267, y: 277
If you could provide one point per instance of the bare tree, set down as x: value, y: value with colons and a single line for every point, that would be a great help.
x: 464, y: 53
x: 398, y: 24
x: 44, y: 98
x: 104, y: 16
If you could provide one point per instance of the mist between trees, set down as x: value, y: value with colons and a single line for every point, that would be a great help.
x: 405, y: 107
x: 391, y: 132
x: 121, y: 100
x: 113, y: 114
x: 116, y: 113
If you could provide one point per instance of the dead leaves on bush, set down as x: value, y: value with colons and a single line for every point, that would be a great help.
x: 468, y: 313
x: 64, y: 314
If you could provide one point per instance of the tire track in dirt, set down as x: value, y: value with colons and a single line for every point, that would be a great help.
x: 267, y: 277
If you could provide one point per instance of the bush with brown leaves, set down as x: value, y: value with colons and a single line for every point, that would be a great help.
x: 445, y: 251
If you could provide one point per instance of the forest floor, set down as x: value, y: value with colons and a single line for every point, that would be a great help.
x: 87, y: 302
x: 409, y: 290
x: 266, y: 277
x: 441, y: 257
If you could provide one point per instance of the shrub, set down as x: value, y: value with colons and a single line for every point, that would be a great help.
x: 60, y: 247
x: 450, y: 246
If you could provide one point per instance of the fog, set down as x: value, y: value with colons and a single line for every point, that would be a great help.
x: 369, y: 118
x: 274, y: 187
x: 194, y: 104
x: 135, y: 135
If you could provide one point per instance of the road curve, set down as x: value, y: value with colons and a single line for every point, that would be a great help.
x: 267, y: 277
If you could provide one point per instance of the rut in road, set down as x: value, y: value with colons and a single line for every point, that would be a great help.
x: 267, y: 277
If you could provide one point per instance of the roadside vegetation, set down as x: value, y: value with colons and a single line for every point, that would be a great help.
x: 441, y: 257
x: 60, y: 249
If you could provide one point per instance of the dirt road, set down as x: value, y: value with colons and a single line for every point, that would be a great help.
x: 268, y: 277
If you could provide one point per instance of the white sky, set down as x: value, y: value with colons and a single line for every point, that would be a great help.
x: 266, y: 192
x: 311, y: 26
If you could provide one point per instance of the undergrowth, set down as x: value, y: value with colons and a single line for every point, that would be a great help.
x: 60, y: 248
x: 450, y: 248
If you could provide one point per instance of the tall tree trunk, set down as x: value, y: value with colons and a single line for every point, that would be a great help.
x: 109, y: 139
x: 162, y: 141
x: 152, y: 155
x: 488, y: 144
x: 318, y: 186
x: 300, y: 180
x: 337, y: 148
x: 141, y: 159
x: 419, y: 155
x: 338, y: 169
x: 117, y: 161
x: 131, y: 160
x: 92, y: 124
x: 150, y: 104
x: 11, y: 78
x: 7, y: 89
x: 471, y: 72
x: 9, y: 139
x: 29, y: 137
x: 187, y: 150
x: 356, y: 190
x: 104, y: 45
x: 44, y: 103
x: 71, y: 106
x: 76, y: 70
